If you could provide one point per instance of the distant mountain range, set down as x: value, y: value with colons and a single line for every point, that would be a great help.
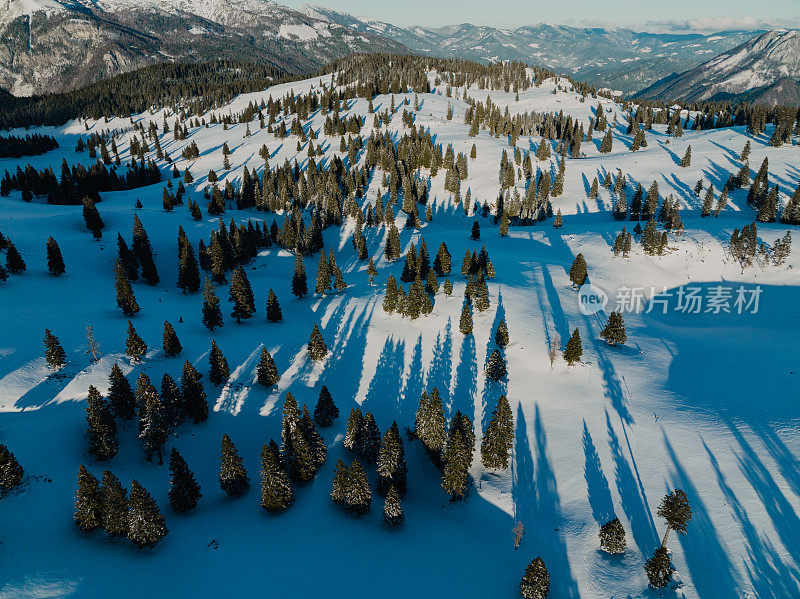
x: 616, y: 58
x: 765, y: 69
x: 57, y: 45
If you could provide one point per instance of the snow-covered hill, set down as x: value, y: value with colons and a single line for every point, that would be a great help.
x: 701, y: 401
x: 750, y: 70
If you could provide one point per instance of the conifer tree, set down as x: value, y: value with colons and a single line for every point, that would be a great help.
x: 442, y: 264
x: 55, y: 261
x: 368, y: 442
x: 353, y: 429
x: 498, y: 437
x: 266, y: 371
x: 574, y: 349
x: 241, y: 294
x: 578, y: 271
x: 501, y: 334
x: 476, y: 231
x: 121, y: 400
x: 687, y: 157
x: 171, y: 344
x: 323, y: 283
x: 392, y: 469
x: 675, y: 509
x: 371, y: 271
x: 188, y: 271
x: 193, y: 396
x: 557, y: 221
x: 340, y: 483
x: 232, y: 474
x: 496, y: 366
x: 276, y: 489
x: 54, y: 354
x: 659, y: 568
x: 172, y: 401
x: 465, y: 322
x: 135, y: 347
x: 274, y: 313
x: 154, y: 425
x: 358, y: 496
x: 114, y: 506
x: 612, y: 537
x: 88, y: 501
x: 457, y: 457
x: 218, y: 371
x: 10, y: 471
x: 536, y: 580
x: 393, y: 508
x: 144, y: 252
x: 125, y: 298
x: 102, y: 431
x: 326, y: 411
x: 146, y: 525
x: 184, y: 490
x: 430, y: 423
x: 299, y: 285
x: 614, y: 332
x: 317, y: 350
x: 212, y: 315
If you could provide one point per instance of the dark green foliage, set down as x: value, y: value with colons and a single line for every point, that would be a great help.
x: 368, y: 443
x: 146, y: 525
x: 465, y: 322
x: 687, y: 157
x: 392, y: 469
x: 125, y: 298
x: 341, y: 477
x: 115, y: 506
x: 232, y: 474
x: 498, y: 437
x: 577, y: 272
x: 612, y: 537
x: 326, y: 411
x: 614, y: 332
x: 274, y: 313
x: 218, y: 371
x: 91, y: 217
x: 184, y: 491
x: 53, y: 352
x: 496, y: 366
x: 212, y: 315
x: 501, y: 334
x: 171, y: 344
x: 317, y: 350
x: 88, y: 502
x: 135, y: 347
x: 299, y: 283
x: 659, y: 568
x: 145, y: 393
x: 442, y: 264
x: 10, y: 470
x: 188, y: 271
x: 276, y: 489
x: 241, y: 294
x: 172, y: 401
x: 536, y: 581
x: 430, y: 423
x: 475, y: 234
x: 392, y: 509
x: 154, y: 425
x: 457, y: 457
x: 675, y: 509
x: 353, y: 429
x: 193, y: 396
x: 144, y: 252
x: 358, y: 496
x: 102, y: 431
x: 323, y: 275
x: 55, y: 261
x: 574, y: 349
x: 266, y: 371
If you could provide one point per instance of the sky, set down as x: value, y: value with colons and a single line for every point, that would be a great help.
x: 674, y: 15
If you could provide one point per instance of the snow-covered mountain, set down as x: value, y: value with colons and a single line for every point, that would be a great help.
x: 617, y: 58
x: 765, y: 69
x: 56, y: 45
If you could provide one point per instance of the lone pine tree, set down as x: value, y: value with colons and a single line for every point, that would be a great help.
x: 612, y: 537
x: 536, y: 580
x: 114, y: 506
x: 574, y: 349
x: 498, y: 437
x: 188, y: 271
x: 317, y: 350
x: 577, y: 272
x: 88, y: 501
x: 496, y: 366
x: 614, y: 331
x: 170, y: 342
x: 135, y: 347
x: 392, y: 508
x: 55, y: 261
x: 465, y: 322
x: 184, y: 490
x: 299, y: 283
x: 325, y: 411
x: 218, y: 371
x: 241, y: 294
x: 475, y: 234
x: 54, y: 354
x: 274, y: 313
x: 10, y: 470
x: 232, y: 474
x: 276, y: 489
x: 501, y: 333
x: 266, y: 371
x: 193, y: 396
x: 146, y: 525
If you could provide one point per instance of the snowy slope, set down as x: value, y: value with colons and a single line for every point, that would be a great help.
x: 704, y: 402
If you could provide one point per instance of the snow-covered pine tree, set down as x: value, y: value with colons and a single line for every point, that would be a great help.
x: 267, y: 371
x: 614, y: 332
x: 10, y: 470
x: 612, y: 537
x: 276, y: 489
x: 146, y: 525
x: 135, y: 347
x: 88, y: 501
x: 54, y: 354
x: 536, y: 580
x: 184, y: 490
x: 574, y: 349
x: 232, y: 474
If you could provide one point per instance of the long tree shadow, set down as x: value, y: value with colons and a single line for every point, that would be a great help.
x: 769, y: 575
x: 440, y: 371
x: 464, y: 391
x: 707, y: 558
x: 537, y: 504
x: 634, y: 503
x: 596, y: 482
x: 414, y: 383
